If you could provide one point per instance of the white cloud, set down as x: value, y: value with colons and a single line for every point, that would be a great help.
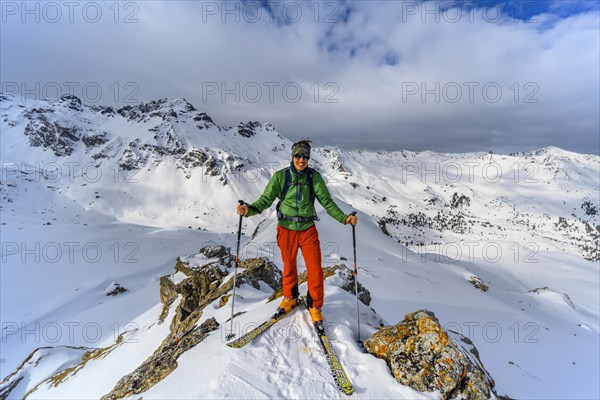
x: 183, y: 49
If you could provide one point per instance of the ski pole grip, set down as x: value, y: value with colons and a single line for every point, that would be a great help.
x: 353, y: 213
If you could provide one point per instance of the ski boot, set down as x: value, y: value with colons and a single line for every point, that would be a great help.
x: 317, y: 319
x: 286, y: 305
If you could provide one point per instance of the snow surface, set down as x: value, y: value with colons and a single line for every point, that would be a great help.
x: 66, y: 236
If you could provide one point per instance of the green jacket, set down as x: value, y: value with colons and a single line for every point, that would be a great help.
x: 297, y: 200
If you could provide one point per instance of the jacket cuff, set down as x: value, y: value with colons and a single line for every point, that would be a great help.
x: 252, y: 210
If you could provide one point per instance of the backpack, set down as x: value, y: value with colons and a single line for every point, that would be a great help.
x: 286, y: 187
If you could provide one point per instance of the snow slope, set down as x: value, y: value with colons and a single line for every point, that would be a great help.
x: 93, y: 195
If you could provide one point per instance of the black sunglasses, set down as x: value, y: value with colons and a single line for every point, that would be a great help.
x: 299, y: 156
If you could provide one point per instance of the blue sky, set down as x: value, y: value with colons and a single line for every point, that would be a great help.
x: 527, y: 9
x: 488, y: 75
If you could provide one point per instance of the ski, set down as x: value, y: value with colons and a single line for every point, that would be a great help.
x: 254, y: 333
x: 335, y: 366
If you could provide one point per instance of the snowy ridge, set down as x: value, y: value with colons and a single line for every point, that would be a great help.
x: 503, y: 248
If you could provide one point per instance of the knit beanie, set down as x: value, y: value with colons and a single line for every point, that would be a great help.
x: 301, y: 148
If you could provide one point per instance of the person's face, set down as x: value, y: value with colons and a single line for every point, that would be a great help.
x: 300, y: 163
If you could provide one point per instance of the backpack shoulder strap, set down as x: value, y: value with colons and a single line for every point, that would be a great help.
x: 311, y: 188
x: 286, y: 183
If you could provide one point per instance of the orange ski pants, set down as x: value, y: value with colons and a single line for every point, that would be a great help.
x: 289, y: 242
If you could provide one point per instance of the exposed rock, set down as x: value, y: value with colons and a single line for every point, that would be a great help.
x: 348, y: 277
x: 421, y: 355
x: 5, y: 390
x: 104, y: 110
x: 259, y: 270
x: 192, y: 159
x: 168, y: 294
x: 211, y: 166
x: 198, y: 286
x: 73, y: 102
x: 94, y: 139
x: 161, y: 363
x: 478, y: 283
x: 203, y: 117
x: 163, y: 108
x: 109, y: 151
x: 215, y: 251
x: 476, y: 380
x: 589, y: 208
x: 201, y: 285
x: 196, y: 158
x: 443, y: 221
x: 248, y: 129
x: 224, y: 300
x: 74, y: 359
x: 383, y: 227
x: 52, y: 135
x: 131, y: 159
x: 460, y: 201
x: 114, y: 289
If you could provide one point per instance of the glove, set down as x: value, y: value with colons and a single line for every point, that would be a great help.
x: 242, y: 210
x: 352, y: 220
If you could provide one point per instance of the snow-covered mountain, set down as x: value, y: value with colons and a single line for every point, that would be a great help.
x: 503, y: 248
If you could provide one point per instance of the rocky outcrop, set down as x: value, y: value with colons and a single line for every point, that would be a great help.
x: 72, y: 102
x: 5, y: 390
x: 423, y: 356
x: 53, y: 135
x: 345, y: 281
x: 334, y: 161
x: 94, y: 138
x: 248, y: 129
x: 210, y: 163
x: 205, y: 118
x: 198, y: 287
x: 139, y: 154
x: 193, y: 159
x: 259, y: 270
x: 64, y: 126
x: 39, y: 364
x: 476, y: 380
x: 163, y: 108
x: 459, y: 201
x: 161, y: 363
x: 477, y: 282
x: 114, y: 288
x: 348, y: 278
x: 215, y: 251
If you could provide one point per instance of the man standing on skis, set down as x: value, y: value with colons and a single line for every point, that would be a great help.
x: 296, y: 187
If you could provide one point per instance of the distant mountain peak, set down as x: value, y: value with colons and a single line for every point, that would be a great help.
x: 137, y: 136
x: 164, y: 108
x: 250, y: 128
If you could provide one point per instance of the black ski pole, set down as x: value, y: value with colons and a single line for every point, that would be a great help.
x: 355, y: 276
x: 231, y: 335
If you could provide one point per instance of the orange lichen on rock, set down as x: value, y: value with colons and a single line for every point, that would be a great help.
x: 421, y: 354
